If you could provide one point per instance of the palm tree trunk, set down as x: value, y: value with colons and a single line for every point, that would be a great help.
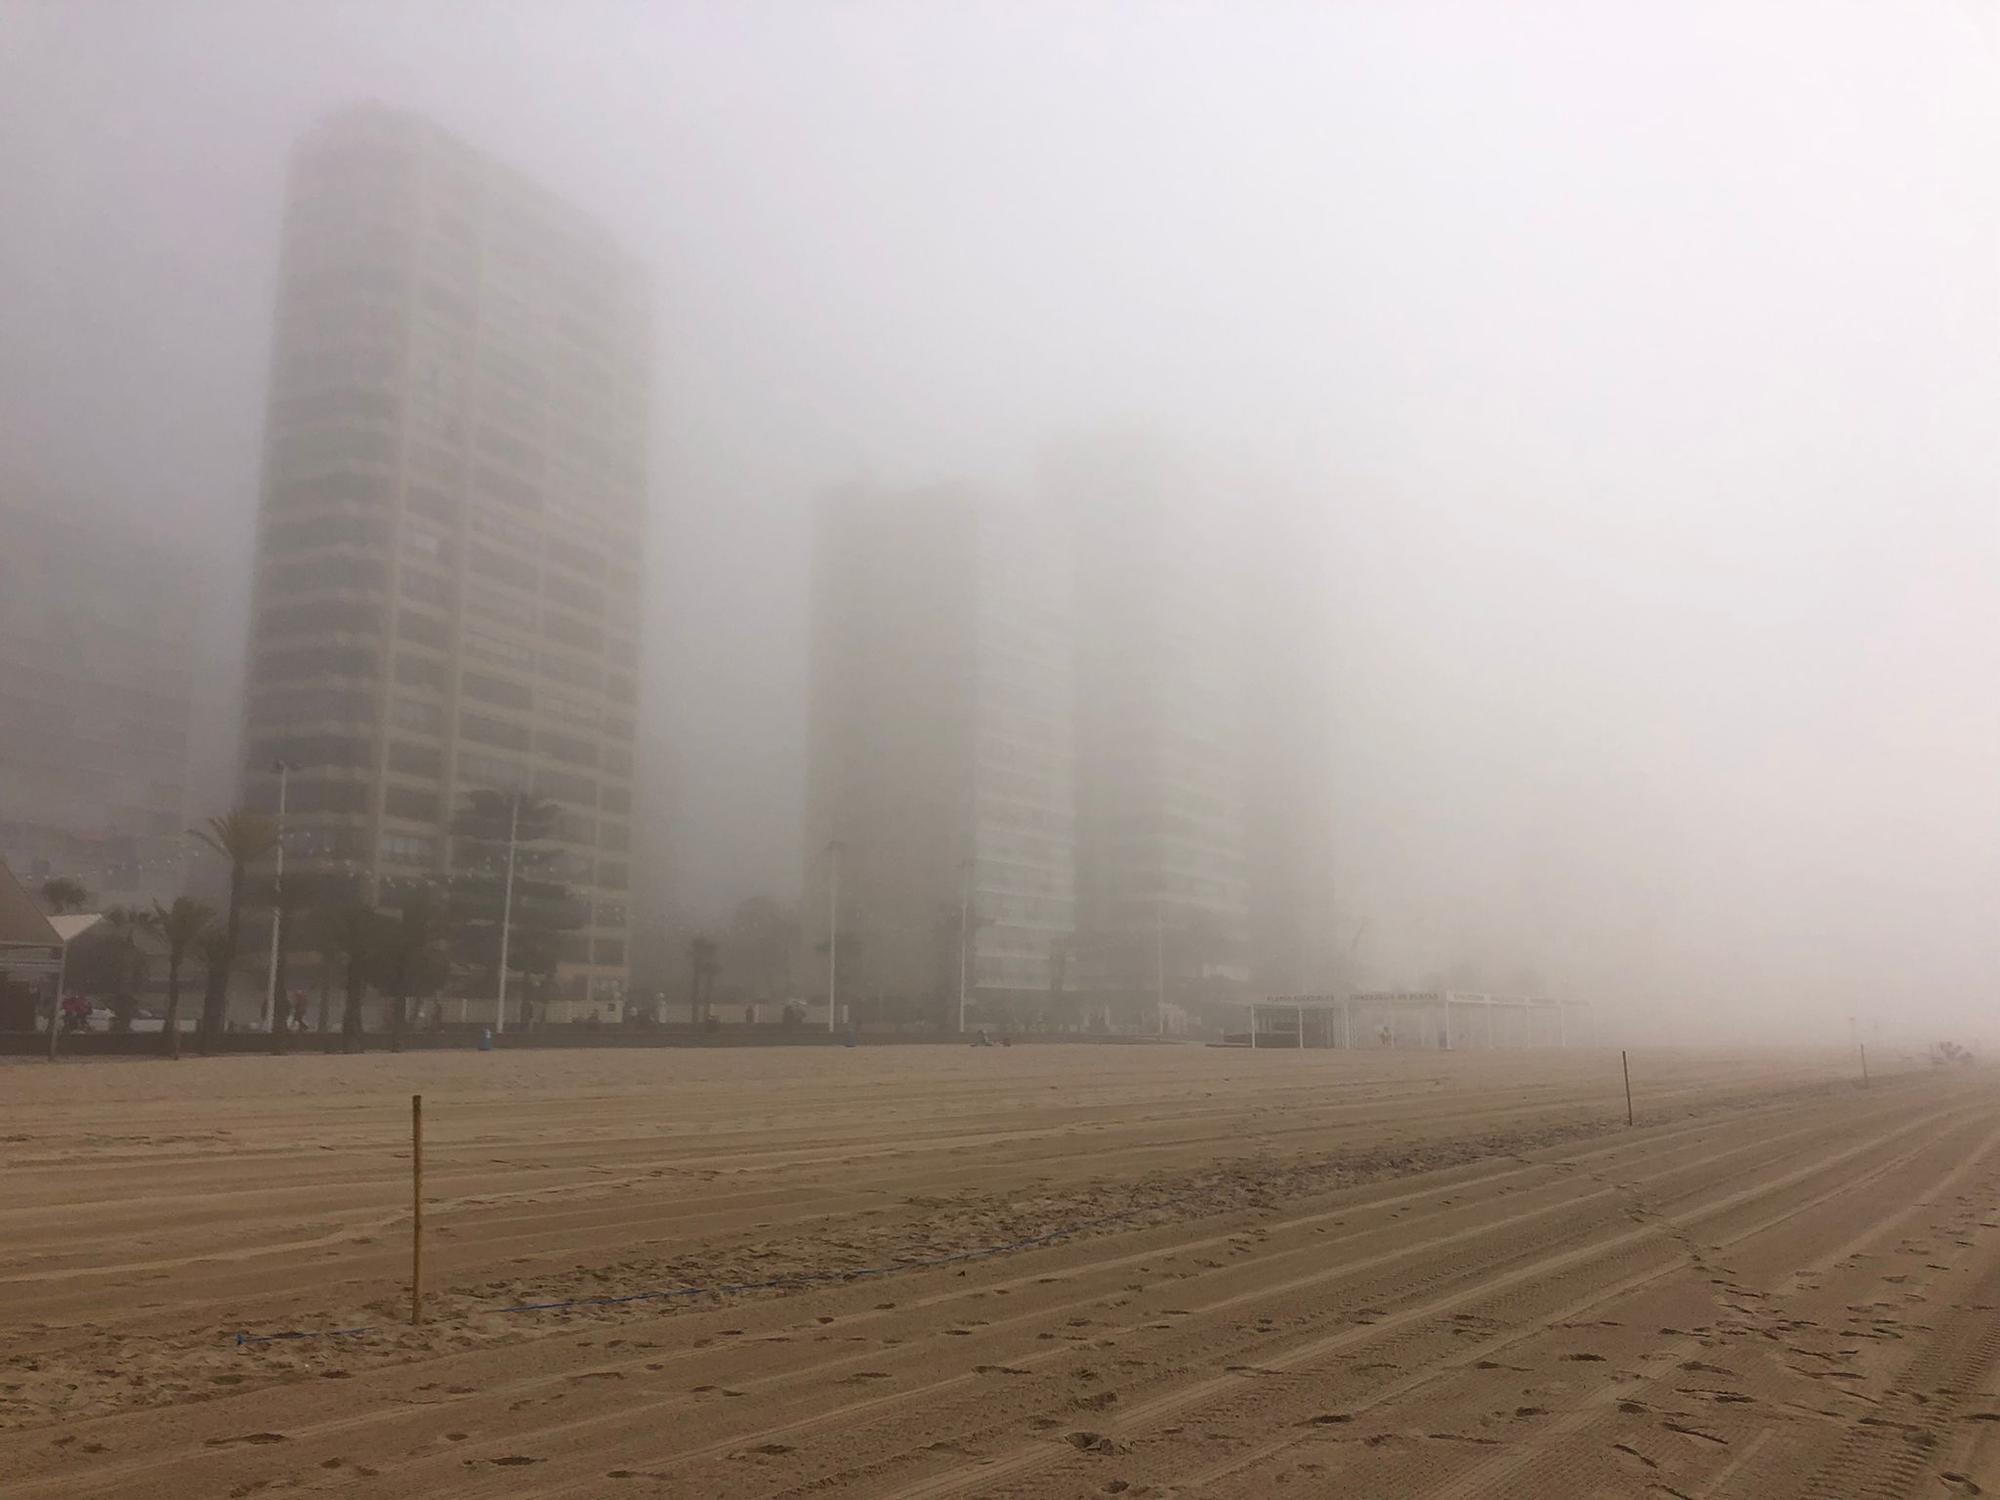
x: 215, y: 1004
x: 399, y: 1005
x: 173, y: 1028
x: 215, y: 985
x: 350, y: 1017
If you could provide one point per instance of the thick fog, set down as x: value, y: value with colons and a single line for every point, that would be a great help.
x: 1638, y: 365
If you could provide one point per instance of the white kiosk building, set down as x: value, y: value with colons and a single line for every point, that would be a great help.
x: 1436, y: 1019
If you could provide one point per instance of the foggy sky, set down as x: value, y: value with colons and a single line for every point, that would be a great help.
x: 1642, y: 363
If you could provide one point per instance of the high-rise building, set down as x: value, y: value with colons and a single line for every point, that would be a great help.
x: 1163, y: 895
x: 940, y: 761
x: 448, y: 564
x: 1202, y: 803
x: 97, y: 625
x: 1091, y: 726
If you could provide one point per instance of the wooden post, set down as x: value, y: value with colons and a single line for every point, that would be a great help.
x: 416, y: 1208
x: 1624, y: 1063
x: 1864, y: 1065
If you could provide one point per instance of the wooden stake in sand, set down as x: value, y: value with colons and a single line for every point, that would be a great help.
x: 1627, y: 1066
x: 416, y: 1208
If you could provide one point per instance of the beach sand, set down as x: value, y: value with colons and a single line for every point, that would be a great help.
x: 1044, y: 1270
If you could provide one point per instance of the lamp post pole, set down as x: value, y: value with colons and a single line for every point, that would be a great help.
x: 964, y: 933
x: 277, y: 902
x: 507, y: 911
x: 1160, y: 965
x: 832, y: 933
x: 56, y: 1010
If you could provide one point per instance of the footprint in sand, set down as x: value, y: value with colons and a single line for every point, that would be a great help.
x: 1093, y: 1442
x: 1630, y: 1451
x: 1695, y: 1432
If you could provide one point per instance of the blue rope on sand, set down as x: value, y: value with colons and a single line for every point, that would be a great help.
x: 795, y: 1279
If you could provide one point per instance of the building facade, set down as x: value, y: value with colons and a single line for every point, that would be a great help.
x: 939, y: 785
x: 448, y: 586
x: 97, y: 629
x: 1163, y: 901
x: 1089, y: 731
x: 1202, y: 710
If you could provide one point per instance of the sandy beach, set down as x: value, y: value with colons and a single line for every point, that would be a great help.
x: 1037, y: 1271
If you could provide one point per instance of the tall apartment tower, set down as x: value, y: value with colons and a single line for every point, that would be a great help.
x: 1162, y: 866
x: 448, y: 580
x: 1202, y: 801
x: 940, y: 759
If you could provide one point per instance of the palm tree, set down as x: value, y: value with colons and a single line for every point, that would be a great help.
x: 241, y: 837
x: 409, y: 955
x: 124, y: 924
x: 352, y: 930
x: 61, y: 895
x: 321, y: 921
x: 218, y: 956
x: 181, y: 925
x: 702, y: 969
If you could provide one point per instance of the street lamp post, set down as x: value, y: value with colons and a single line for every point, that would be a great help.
x: 1160, y: 964
x: 277, y: 902
x: 68, y: 929
x: 56, y: 1010
x: 964, y: 933
x: 507, y: 910
x: 832, y: 932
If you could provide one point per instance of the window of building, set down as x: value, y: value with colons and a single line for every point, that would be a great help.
x: 409, y: 802
x: 564, y: 787
x: 577, y: 752
x: 478, y: 771
x: 569, y: 710
x: 420, y: 671
x: 415, y: 760
x: 490, y: 689
x: 423, y: 630
x: 407, y: 849
x: 488, y: 731
x: 413, y: 713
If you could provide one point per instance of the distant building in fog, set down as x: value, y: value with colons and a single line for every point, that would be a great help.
x: 97, y: 627
x: 1113, y: 702
x: 1163, y: 899
x: 448, y: 566
x: 940, y: 755
x: 1203, y: 718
